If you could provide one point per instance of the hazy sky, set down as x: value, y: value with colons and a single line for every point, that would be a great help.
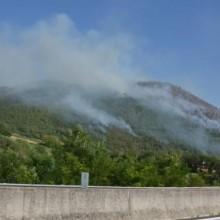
x: 175, y: 40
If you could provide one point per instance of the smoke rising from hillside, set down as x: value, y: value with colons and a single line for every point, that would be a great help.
x: 55, y: 50
x: 84, y: 107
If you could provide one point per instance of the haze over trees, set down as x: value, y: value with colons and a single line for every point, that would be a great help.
x: 60, y: 160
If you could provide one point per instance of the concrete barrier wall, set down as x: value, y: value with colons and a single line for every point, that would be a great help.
x: 27, y: 202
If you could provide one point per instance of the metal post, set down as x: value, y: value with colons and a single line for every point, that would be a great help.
x: 84, y: 179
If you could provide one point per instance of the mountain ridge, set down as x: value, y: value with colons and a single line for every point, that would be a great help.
x: 161, y: 110
x: 213, y: 112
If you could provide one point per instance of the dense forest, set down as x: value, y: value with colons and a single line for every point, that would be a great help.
x: 60, y: 160
x: 37, y: 146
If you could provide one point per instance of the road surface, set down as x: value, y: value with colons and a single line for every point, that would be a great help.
x: 216, y: 218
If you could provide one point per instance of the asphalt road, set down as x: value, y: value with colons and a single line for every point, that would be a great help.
x: 216, y: 218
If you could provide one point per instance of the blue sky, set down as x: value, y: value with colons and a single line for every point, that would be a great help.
x: 177, y: 40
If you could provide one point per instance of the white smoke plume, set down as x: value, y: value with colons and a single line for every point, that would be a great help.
x: 84, y: 107
x: 55, y: 50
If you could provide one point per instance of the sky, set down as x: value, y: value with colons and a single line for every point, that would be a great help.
x: 176, y: 41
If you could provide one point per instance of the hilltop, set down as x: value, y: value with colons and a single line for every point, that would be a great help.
x: 162, y: 111
x: 159, y: 135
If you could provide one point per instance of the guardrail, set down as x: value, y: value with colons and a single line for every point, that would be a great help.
x: 27, y: 201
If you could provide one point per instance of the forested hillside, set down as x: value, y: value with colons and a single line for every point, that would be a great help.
x: 118, y: 159
x: 38, y: 145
